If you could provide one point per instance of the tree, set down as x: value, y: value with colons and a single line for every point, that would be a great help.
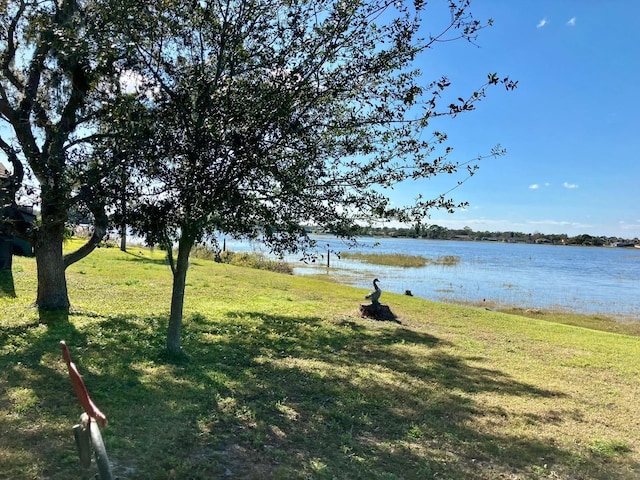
x: 437, y: 232
x: 273, y: 114
x: 123, y: 132
x: 60, y: 63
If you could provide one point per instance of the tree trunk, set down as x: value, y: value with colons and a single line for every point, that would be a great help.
x: 177, y: 295
x: 123, y: 211
x: 123, y: 237
x: 52, y: 283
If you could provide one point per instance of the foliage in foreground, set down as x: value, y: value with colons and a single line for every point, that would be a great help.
x: 274, y: 115
x: 284, y: 381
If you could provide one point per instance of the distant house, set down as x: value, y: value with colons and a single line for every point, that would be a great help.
x: 517, y: 240
x: 623, y: 244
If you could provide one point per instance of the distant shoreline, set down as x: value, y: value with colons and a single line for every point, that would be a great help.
x: 579, y: 280
x: 504, y: 237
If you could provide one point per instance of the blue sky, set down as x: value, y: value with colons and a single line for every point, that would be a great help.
x: 571, y: 127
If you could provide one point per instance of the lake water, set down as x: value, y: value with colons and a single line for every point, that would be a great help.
x: 602, y: 280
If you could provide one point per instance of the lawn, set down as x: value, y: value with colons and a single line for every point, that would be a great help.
x: 284, y: 380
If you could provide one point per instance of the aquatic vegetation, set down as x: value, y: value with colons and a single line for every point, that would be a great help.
x: 401, y: 260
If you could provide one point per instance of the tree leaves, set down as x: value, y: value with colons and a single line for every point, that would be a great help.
x: 261, y: 112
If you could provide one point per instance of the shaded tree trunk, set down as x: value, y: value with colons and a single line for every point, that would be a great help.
x: 51, y: 264
x: 123, y: 237
x: 177, y: 295
x: 123, y: 211
x: 52, y: 283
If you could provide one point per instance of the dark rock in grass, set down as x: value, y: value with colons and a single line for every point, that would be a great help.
x: 377, y: 311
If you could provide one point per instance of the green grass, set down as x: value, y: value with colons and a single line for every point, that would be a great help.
x: 594, y: 321
x: 283, y: 380
x: 401, y: 260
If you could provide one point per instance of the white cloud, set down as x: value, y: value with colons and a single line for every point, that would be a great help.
x: 629, y: 226
x: 542, y: 23
x: 560, y: 226
x: 572, y: 22
x: 536, y: 186
x: 561, y: 223
x: 569, y: 185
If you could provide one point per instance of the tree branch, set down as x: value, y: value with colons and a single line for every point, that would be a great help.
x: 100, y: 225
x: 9, y: 54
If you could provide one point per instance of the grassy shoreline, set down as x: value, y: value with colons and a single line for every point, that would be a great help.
x: 284, y: 380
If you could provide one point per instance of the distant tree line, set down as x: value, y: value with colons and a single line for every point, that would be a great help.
x: 437, y: 232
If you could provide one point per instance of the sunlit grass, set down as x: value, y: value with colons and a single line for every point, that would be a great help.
x: 284, y: 380
x: 592, y: 321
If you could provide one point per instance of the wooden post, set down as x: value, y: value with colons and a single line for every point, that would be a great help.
x: 81, y: 434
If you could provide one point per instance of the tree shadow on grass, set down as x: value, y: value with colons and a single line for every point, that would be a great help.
x: 40, y: 406
x: 140, y: 257
x: 269, y: 396
x: 343, y: 398
x: 7, y: 286
x: 33, y: 385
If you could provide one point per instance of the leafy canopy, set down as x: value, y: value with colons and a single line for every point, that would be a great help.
x: 267, y: 115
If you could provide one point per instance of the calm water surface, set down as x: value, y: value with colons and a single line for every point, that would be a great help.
x: 577, y: 279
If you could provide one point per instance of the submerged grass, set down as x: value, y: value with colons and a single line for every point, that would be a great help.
x: 283, y: 380
x: 401, y: 260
